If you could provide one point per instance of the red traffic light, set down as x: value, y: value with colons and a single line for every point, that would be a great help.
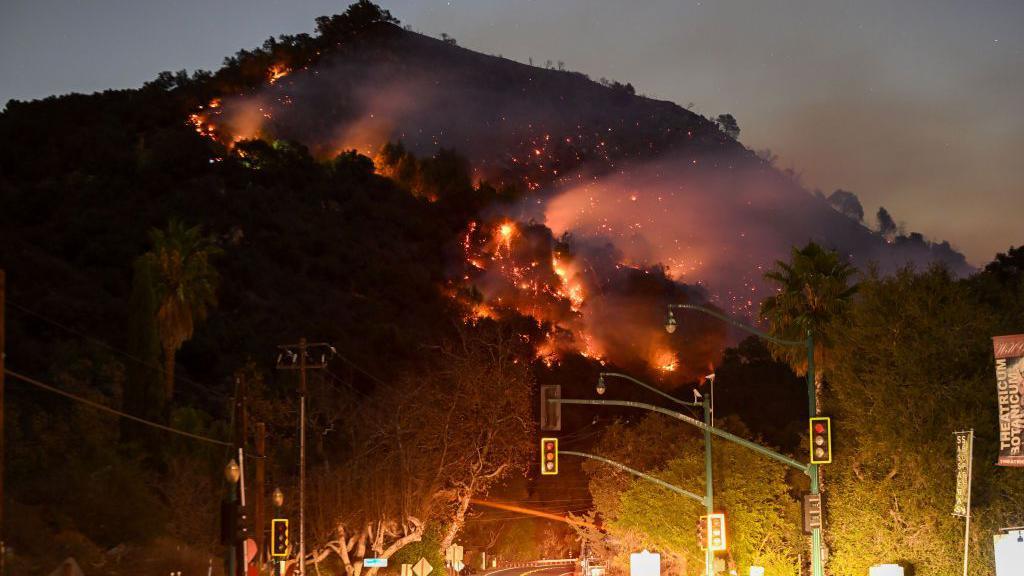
x: 549, y: 456
x: 821, y: 440
x: 716, y: 529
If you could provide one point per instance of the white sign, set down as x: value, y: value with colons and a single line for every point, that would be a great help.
x: 453, y: 554
x: 886, y: 570
x: 757, y: 571
x: 422, y: 568
x: 1009, y: 553
x: 406, y: 570
x: 644, y: 564
x: 375, y: 562
x: 458, y: 565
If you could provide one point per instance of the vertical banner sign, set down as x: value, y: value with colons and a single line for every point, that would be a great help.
x: 963, y: 474
x: 1009, y: 355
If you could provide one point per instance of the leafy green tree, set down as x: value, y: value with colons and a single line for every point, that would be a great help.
x: 185, y: 282
x: 762, y: 517
x: 912, y: 365
x: 814, y: 295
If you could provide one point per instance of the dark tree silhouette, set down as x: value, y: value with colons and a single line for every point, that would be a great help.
x: 847, y: 203
x: 727, y: 123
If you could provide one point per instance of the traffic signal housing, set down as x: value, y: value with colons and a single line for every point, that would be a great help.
x: 549, y: 456
x: 716, y: 532
x: 279, y: 537
x: 821, y: 440
x: 550, y: 412
x: 234, y: 523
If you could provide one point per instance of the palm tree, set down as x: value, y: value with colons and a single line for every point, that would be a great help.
x: 814, y: 295
x: 185, y: 283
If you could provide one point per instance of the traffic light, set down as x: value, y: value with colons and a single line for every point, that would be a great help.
x: 279, y: 537
x: 716, y: 532
x: 242, y: 527
x: 821, y: 440
x: 234, y: 523
x: 549, y: 456
x: 702, y: 532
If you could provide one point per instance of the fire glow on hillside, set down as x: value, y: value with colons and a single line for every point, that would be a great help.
x: 510, y: 267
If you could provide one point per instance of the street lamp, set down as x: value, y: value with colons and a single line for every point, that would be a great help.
x: 709, y: 494
x: 232, y: 473
x: 812, y: 471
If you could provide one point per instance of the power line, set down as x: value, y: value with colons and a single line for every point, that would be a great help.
x: 363, y: 371
x: 114, y: 349
x: 99, y: 406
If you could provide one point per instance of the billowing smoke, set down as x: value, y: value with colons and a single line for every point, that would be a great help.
x: 647, y: 192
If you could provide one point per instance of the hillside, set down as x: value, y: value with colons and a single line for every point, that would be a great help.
x: 480, y: 192
x: 566, y: 140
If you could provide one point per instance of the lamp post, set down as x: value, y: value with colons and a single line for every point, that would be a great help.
x: 232, y: 473
x: 709, y: 493
x: 812, y: 470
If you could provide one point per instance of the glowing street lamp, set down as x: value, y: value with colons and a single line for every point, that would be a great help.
x: 232, y: 472
x: 670, y: 323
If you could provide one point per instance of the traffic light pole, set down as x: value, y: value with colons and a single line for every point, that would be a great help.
x: 812, y: 407
x: 709, y: 431
x: 709, y: 491
x: 812, y: 404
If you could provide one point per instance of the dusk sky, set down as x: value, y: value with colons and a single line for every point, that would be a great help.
x: 914, y: 105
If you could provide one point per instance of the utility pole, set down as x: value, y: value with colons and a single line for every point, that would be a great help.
x: 297, y: 357
x: 259, y: 497
x: 241, y: 432
x: 812, y: 470
x: 3, y: 304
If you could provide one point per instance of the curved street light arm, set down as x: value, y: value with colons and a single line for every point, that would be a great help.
x: 651, y: 388
x: 694, y: 422
x: 740, y: 325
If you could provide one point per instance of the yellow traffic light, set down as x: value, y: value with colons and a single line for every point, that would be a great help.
x: 279, y: 537
x: 821, y: 440
x: 717, y: 541
x: 549, y: 456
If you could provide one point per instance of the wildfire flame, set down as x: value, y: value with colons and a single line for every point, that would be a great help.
x: 665, y: 360
x: 276, y: 72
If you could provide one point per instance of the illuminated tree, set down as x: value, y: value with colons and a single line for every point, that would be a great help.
x: 913, y: 364
x: 814, y: 295
x: 426, y: 447
x: 762, y: 518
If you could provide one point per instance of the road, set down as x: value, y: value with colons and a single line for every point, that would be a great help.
x: 556, y: 570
